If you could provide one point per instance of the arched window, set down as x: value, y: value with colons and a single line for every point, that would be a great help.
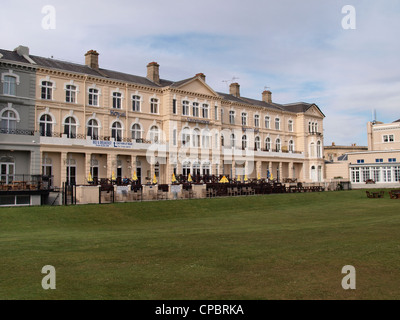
x: 268, y: 144
x: 278, y: 145
x: 186, y: 137
x: 257, y: 143
x: 196, y: 138
x: 154, y: 134
x: 46, y: 125
x: 93, y: 129
x: 244, y: 142
x: 116, y: 131
x: 196, y: 168
x: 233, y: 140
x: 206, y: 168
x: 291, y: 146
x: 313, y: 174
x: 70, y: 127
x: 290, y: 126
x: 186, y: 168
x: 136, y: 132
x: 8, y: 121
x: 312, y: 149
x: 206, y: 137
x: 319, y: 149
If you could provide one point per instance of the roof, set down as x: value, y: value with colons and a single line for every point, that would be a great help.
x: 396, y: 121
x: 12, y: 56
x: 299, y: 107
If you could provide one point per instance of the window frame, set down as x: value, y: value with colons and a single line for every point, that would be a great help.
x: 72, y: 93
x: 93, y: 97
x: 277, y: 123
x: 136, y: 132
x: 136, y: 102
x: 115, y: 131
x: 267, y: 122
x: 232, y: 115
x: 10, y: 85
x: 185, y: 108
x: 46, y: 92
x: 90, y: 126
x: 116, y: 100
x: 154, y: 106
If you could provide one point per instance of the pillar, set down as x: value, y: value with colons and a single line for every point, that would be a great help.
x: 88, y: 164
x: 63, y: 166
x: 259, y: 169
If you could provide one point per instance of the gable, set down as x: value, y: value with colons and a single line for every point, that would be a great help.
x: 197, y: 86
x: 314, y: 111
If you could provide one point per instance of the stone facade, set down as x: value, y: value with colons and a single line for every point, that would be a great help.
x: 106, y: 123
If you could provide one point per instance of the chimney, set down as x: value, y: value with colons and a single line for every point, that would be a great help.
x: 153, y: 72
x: 202, y: 76
x: 24, y: 52
x: 234, y: 89
x: 267, y: 96
x: 92, y: 59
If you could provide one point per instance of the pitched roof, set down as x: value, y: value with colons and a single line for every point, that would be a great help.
x: 396, y: 121
x: 12, y: 56
x: 299, y: 107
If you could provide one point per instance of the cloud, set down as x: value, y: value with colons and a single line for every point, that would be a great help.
x: 296, y: 48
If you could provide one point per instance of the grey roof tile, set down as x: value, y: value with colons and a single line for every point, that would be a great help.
x: 298, y: 107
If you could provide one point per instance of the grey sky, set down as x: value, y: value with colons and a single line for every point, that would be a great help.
x: 296, y: 48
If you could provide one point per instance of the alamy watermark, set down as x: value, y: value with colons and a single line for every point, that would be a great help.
x: 349, y: 20
x: 349, y: 281
x: 49, y: 20
x: 49, y: 281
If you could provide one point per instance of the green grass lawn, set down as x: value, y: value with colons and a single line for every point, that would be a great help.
x: 281, y: 246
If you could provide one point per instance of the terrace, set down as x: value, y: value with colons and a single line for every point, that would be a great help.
x: 25, y: 183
